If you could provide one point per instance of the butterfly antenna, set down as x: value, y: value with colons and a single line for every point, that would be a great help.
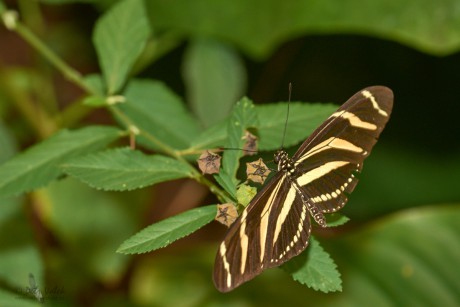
x: 287, y: 115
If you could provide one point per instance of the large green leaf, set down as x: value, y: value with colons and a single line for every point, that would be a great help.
x: 124, y: 169
x: 38, y: 165
x: 394, y: 178
x: 167, y: 231
x: 89, y: 225
x: 406, y: 259
x: 304, y: 118
x: 215, y: 79
x: 258, y: 27
x: 155, y: 109
x: 13, y: 299
x: 119, y: 37
x: 212, y: 137
x: 19, y: 256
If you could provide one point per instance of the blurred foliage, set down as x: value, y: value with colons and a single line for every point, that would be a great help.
x: 192, y: 61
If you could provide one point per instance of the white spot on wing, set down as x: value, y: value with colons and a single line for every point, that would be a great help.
x: 320, y: 171
x: 223, y: 251
x: 332, y: 142
x: 368, y: 94
x: 284, y: 212
x: 344, y: 144
x: 354, y: 120
x: 243, y: 242
x: 265, y: 216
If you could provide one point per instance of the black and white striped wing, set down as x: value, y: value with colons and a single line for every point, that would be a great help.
x: 276, y: 224
x: 330, y: 158
x: 272, y: 229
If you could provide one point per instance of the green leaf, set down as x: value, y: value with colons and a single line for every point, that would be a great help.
x: 304, y: 118
x: 119, y: 37
x: 19, y: 256
x: 89, y: 225
x: 394, y: 178
x: 38, y: 165
x: 125, y: 169
x: 7, y: 143
x: 13, y: 299
x: 167, y: 231
x: 259, y: 27
x: 243, y: 117
x: 397, y: 258
x: 95, y: 101
x: 315, y: 268
x: 95, y: 83
x: 336, y: 219
x: 10, y: 205
x: 154, y: 108
x: 214, y: 136
x: 245, y: 193
x: 215, y: 79
x: 16, y: 263
x: 101, y: 4
x: 2, y: 7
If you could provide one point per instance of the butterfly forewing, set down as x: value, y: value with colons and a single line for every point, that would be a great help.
x: 276, y: 224
x: 330, y: 158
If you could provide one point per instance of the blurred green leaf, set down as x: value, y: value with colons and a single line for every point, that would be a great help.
x: 95, y: 82
x: 7, y: 144
x: 89, y: 225
x: 304, y: 118
x: 214, y: 136
x: 154, y: 108
x: 9, y: 205
x: 124, y: 169
x: 243, y: 117
x: 258, y: 27
x: 100, y: 3
x: 16, y: 263
x: 119, y: 37
x: 394, y: 178
x: 315, y: 268
x: 13, y: 299
x: 95, y: 101
x: 408, y: 258
x: 165, y: 232
x: 38, y: 165
x: 19, y: 256
x: 215, y: 79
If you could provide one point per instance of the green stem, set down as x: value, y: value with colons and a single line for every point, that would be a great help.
x: 173, y: 153
x: 68, y: 72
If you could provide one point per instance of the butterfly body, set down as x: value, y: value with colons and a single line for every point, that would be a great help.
x: 287, y: 165
x: 318, y: 179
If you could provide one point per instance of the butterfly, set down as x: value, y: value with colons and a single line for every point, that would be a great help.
x: 318, y: 179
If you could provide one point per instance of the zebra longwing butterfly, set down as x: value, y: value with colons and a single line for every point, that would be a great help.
x: 276, y: 226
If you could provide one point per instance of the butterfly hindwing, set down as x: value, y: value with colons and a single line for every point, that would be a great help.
x: 261, y: 237
x: 275, y: 226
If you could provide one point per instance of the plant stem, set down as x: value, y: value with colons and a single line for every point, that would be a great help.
x: 68, y: 72
x: 173, y: 153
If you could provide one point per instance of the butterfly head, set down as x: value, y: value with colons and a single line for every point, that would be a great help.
x: 284, y: 162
